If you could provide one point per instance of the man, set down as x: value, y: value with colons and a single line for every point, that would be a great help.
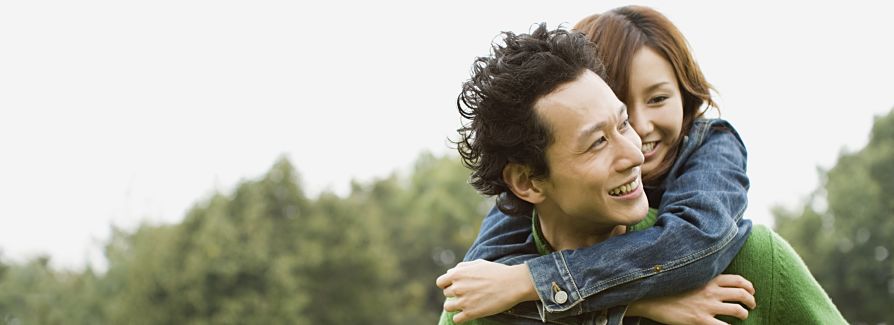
x: 547, y: 134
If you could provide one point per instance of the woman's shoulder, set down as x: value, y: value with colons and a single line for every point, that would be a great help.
x: 710, y: 139
x: 704, y: 128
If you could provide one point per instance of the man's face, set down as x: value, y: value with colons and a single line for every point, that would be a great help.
x: 594, y: 161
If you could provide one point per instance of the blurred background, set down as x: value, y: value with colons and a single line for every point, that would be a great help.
x: 205, y: 162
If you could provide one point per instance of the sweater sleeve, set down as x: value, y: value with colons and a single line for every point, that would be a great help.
x: 785, y: 291
x: 798, y: 297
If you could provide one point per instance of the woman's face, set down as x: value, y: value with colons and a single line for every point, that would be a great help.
x: 655, y: 105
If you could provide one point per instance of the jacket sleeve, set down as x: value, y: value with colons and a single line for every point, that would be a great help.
x: 698, y: 232
x: 503, y: 239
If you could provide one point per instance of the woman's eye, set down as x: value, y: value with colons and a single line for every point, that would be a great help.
x: 657, y: 99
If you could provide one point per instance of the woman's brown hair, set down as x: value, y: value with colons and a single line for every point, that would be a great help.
x: 621, y: 32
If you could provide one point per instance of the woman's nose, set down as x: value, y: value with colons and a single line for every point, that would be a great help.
x: 639, y: 120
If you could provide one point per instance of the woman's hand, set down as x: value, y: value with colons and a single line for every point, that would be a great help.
x: 721, y: 296
x: 480, y: 288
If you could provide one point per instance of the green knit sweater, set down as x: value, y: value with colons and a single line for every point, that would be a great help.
x: 785, y: 291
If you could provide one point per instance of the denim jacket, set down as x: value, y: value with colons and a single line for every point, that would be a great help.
x: 698, y: 232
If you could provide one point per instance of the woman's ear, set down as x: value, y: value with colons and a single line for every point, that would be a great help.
x: 518, y: 178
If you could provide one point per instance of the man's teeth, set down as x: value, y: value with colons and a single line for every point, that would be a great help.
x: 624, y: 189
x: 647, y: 147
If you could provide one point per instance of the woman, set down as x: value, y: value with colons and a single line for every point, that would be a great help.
x: 649, y: 68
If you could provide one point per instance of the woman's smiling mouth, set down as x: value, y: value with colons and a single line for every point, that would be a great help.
x: 650, y: 148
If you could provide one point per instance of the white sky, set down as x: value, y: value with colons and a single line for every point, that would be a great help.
x: 122, y: 112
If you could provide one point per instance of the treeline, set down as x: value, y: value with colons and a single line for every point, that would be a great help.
x: 845, y: 230
x: 268, y: 254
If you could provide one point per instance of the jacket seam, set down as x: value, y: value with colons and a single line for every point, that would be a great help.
x: 643, y: 273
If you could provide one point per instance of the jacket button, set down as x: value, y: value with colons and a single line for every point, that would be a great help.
x: 560, y: 297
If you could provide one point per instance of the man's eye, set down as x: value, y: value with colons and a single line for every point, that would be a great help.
x: 624, y: 124
x: 657, y: 99
x: 598, y: 142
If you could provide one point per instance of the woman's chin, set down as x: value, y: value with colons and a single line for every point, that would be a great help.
x: 651, y: 164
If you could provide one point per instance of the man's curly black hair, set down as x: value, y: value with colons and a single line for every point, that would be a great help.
x: 499, y: 100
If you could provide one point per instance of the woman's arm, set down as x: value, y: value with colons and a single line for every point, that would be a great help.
x: 699, y: 230
x: 487, y: 288
x: 503, y: 239
x: 719, y: 297
x: 725, y: 295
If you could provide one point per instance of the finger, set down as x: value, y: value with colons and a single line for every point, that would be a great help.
x: 708, y: 320
x: 452, y: 305
x: 712, y: 321
x: 460, y: 317
x: 734, y: 310
x: 452, y: 291
x: 467, y: 263
x: 461, y: 264
x: 444, y: 281
x: 738, y: 295
x: 734, y: 280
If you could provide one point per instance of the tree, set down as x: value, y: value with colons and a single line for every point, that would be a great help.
x: 432, y: 217
x: 34, y: 293
x: 266, y: 253
x: 848, y: 243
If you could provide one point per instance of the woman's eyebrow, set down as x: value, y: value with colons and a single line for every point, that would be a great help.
x: 656, y: 86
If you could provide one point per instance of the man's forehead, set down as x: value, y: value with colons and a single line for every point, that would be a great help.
x: 598, y: 125
x: 581, y: 104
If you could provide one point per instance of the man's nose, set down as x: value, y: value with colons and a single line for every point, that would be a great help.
x: 629, y: 152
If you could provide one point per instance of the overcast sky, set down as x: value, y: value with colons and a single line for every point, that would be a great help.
x: 122, y: 112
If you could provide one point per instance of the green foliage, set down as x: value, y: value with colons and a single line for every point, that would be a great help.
x: 34, y: 294
x: 267, y: 254
x: 848, y: 245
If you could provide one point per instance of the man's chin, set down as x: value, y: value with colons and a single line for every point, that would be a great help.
x: 635, y: 215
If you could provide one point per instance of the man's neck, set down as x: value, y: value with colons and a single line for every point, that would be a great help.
x: 563, y: 232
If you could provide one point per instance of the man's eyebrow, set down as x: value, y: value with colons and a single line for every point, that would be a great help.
x: 595, y: 127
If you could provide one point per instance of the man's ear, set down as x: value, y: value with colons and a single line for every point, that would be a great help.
x: 518, y: 178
